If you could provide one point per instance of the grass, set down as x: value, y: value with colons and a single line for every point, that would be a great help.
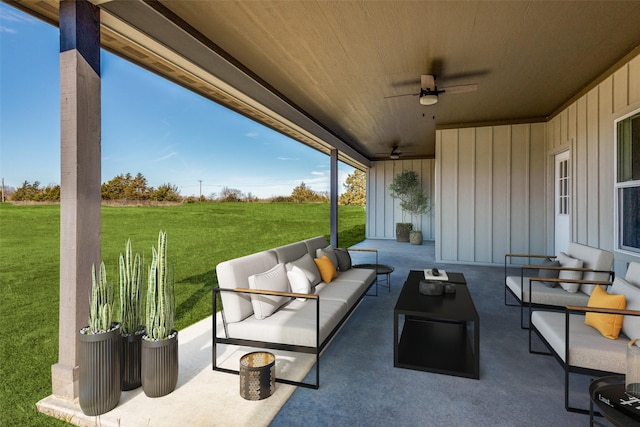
x: 199, y: 236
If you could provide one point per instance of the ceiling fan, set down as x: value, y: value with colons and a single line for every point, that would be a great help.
x: 429, y: 92
x: 395, y: 153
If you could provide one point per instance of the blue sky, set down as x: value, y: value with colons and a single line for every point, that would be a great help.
x: 149, y: 125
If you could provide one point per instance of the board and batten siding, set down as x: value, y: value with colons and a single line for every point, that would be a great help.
x: 587, y: 128
x: 383, y: 211
x: 490, y: 197
x: 493, y: 186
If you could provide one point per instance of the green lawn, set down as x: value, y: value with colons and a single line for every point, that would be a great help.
x: 199, y: 236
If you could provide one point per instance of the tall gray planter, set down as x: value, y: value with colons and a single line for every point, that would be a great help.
x: 99, y: 371
x: 131, y: 361
x: 160, y: 366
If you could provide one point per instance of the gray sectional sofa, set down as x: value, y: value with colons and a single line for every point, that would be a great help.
x: 280, y: 299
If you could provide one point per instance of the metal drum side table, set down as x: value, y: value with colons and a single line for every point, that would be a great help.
x: 257, y: 375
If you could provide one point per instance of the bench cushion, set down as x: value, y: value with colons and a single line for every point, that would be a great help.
x: 587, y: 348
x: 294, y: 323
x: 544, y: 294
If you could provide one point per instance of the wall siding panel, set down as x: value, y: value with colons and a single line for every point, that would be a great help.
x: 483, y: 195
x: 537, y: 189
x: 501, y: 192
x: 466, y: 194
x: 593, y: 169
x: 606, y: 163
x: 634, y: 81
x: 580, y: 176
x: 448, y: 201
x: 519, y: 200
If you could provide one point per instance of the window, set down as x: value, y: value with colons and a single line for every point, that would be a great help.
x: 563, y: 187
x: 628, y: 183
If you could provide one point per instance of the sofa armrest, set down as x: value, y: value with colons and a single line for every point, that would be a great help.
x: 364, y: 250
x: 272, y: 293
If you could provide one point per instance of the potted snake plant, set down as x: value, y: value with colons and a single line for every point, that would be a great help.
x: 160, y: 341
x: 99, y: 350
x: 131, y: 319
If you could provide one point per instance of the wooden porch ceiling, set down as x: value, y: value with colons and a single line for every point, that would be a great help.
x: 320, y: 71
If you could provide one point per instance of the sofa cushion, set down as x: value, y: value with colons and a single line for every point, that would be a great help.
x: 329, y: 252
x: 294, y: 323
x: 272, y: 280
x: 344, y: 259
x: 340, y: 290
x: 594, y: 259
x: 569, y: 262
x: 608, y: 325
x: 633, y: 273
x: 290, y: 252
x: 587, y: 348
x: 306, y: 264
x: 543, y: 294
x: 549, y: 274
x: 299, y: 282
x: 630, y: 324
x: 327, y: 269
x: 315, y: 243
x: 235, y: 273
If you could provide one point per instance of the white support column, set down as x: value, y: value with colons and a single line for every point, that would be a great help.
x: 80, y: 181
x: 334, y: 197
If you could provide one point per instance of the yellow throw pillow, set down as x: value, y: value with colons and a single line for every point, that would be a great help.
x: 327, y: 269
x: 608, y: 325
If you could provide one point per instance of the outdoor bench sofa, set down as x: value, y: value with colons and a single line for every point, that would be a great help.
x: 560, y: 280
x: 598, y: 348
x: 280, y: 299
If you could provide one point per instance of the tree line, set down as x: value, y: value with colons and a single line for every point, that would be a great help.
x: 135, y: 189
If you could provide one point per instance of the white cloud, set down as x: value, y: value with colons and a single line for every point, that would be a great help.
x: 252, y: 134
x: 4, y: 29
x: 287, y: 159
x: 166, y: 156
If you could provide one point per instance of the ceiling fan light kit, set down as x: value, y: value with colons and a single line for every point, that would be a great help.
x: 428, y: 99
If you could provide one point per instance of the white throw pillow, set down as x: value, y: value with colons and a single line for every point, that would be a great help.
x: 329, y: 252
x: 306, y: 264
x: 568, y: 262
x: 630, y: 324
x: 272, y: 280
x: 299, y: 282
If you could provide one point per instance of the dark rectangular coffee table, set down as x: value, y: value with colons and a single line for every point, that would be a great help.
x: 439, y: 334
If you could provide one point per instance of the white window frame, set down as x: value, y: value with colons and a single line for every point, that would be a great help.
x: 618, y: 189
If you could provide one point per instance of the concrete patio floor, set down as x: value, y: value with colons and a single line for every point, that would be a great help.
x: 207, y: 398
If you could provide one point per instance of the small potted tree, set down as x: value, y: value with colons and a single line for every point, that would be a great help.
x: 131, y: 319
x: 416, y: 203
x: 160, y: 341
x: 401, y: 186
x: 99, y: 351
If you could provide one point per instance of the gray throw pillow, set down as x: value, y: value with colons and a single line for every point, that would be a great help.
x: 549, y: 274
x: 344, y: 259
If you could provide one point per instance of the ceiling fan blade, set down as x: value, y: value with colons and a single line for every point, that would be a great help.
x: 428, y: 81
x: 405, y: 94
x: 459, y: 89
